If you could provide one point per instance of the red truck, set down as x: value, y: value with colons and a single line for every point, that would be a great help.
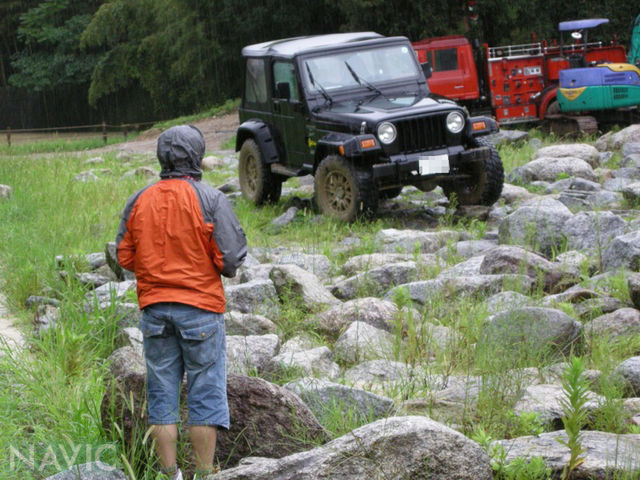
x: 515, y: 83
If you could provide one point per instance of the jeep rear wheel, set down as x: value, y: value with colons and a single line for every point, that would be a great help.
x: 257, y: 183
x: 342, y: 191
x: 484, y: 186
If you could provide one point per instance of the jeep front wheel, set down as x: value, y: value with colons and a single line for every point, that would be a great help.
x: 257, y: 183
x: 485, y: 182
x: 342, y: 191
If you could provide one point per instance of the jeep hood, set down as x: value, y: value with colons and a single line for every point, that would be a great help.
x: 382, y: 108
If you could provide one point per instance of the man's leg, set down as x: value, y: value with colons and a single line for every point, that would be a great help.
x: 203, y: 440
x: 166, y: 439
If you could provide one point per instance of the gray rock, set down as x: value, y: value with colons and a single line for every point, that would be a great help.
x: 629, y: 372
x: 112, y: 260
x: 210, y: 163
x: 512, y: 259
x: 546, y: 400
x: 47, y: 316
x: 549, y: 168
x: 377, y: 313
x: 92, y: 280
x: 35, y: 300
x: 378, y: 371
x: 370, y: 261
x: 318, y: 264
x: 631, y: 192
x: 393, y: 449
x: 513, y: 194
x: 623, y: 252
x: 633, y: 283
x: 256, y: 272
x: 583, y: 151
x: 250, y: 353
x: 299, y: 343
x: 466, y: 248
x: 237, y: 323
x: 507, y: 136
x: 376, y: 281
x: 617, y: 184
x: 426, y: 291
x: 615, y: 141
x: 414, y: 241
x: 85, y: 177
x: 528, y: 332
x: 537, y: 226
x: 467, y: 268
x: 142, y: 172
x: 322, y: 395
x: 317, y: 362
x: 131, y: 337
x: 285, y: 219
x: 607, y: 455
x: 593, y: 231
x: 631, y: 148
x: 292, y: 281
x: 587, y: 309
x: 631, y: 161
x: 116, y: 290
x: 90, y: 471
x: 613, y: 326
x: 606, y: 199
x: 503, y: 301
x: 257, y: 296
x: 361, y: 341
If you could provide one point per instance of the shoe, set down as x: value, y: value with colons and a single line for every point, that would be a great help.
x: 166, y: 476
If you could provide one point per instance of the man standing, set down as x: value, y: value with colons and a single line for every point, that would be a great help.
x: 179, y: 236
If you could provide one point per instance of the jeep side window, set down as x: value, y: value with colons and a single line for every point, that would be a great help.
x: 255, y: 89
x: 284, y: 72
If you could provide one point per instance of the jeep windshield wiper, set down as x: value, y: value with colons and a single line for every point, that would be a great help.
x: 317, y: 85
x: 367, y: 84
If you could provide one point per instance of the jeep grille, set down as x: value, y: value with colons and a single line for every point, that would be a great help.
x: 424, y: 133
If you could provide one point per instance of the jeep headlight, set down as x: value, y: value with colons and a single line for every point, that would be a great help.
x: 455, y: 122
x: 387, y: 133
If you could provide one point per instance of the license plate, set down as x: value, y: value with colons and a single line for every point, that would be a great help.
x: 432, y: 164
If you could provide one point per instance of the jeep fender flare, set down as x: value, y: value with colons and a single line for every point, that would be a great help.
x: 259, y: 131
x: 345, y: 145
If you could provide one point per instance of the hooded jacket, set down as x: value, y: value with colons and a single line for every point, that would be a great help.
x: 179, y: 235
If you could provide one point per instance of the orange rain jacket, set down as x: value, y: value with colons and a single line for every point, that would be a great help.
x: 179, y: 235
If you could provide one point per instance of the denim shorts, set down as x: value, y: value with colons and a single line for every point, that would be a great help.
x: 180, y: 338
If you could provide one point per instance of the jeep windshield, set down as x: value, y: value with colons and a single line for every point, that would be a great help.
x: 368, y: 68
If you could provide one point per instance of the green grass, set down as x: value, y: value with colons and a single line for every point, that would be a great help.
x: 50, y: 394
x: 61, y: 145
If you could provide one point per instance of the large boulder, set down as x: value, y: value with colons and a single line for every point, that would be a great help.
x: 265, y: 419
x: 606, y: 455
x: 257, y: 297
x: 237, y: 323
x: 246, y: 354
x: 414, y: 241
x: 538, y: 226
x: 362, y: 342
x: 528, y: 334
x: 629, y: 372
x: 633, y: 283
x: 292, y: 281
x: 366, y: 262
x: 378, y: 313
x: 375, y: 281
x: 316, y: 362
x: 548, y: 169
x: 583, y: 151
x: 512, y: 259
x: 90, y: 471
x: 392, y: 449
x: 613, y: 326
x: 318, y: 264
x: 593, y: 231
x: 623, y: 252
x: 615, y: 141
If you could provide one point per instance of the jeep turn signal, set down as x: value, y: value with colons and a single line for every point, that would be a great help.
x: 341, y: 150
x: 479, y: 126
x: 367, y: 143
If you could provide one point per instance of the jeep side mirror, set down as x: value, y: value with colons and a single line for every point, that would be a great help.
x: 426, y: 69
x: 283, y: 90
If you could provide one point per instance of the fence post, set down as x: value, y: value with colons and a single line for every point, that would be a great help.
x: 104, y: 132
x: 9, y: 136
x: 124, y: 131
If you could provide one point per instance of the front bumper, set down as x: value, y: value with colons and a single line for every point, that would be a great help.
x: 405, y: 169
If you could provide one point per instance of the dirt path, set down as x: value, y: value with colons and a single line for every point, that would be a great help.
x: 9, y: 334
x: 216, y: 131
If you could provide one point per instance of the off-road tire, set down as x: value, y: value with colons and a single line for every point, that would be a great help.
x: 257, y: 183
x: 485, y: 185
x: 343, y: 191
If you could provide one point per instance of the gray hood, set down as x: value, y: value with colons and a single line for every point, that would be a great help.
x: 180, y: 152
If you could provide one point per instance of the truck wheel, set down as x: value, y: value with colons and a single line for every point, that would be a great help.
x: 257, y: 183
x: 485, y: 185
x: 342, y: 191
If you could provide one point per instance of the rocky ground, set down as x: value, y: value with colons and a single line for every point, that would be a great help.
x: 540, y: 302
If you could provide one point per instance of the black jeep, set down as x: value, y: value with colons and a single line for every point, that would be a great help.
x: 354, y: 110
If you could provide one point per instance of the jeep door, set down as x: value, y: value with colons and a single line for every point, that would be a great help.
x: 289, y: 112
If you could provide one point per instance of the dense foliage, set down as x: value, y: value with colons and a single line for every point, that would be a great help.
x: 133, y: 60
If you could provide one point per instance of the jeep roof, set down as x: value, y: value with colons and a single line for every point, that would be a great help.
x: 291, y: 47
